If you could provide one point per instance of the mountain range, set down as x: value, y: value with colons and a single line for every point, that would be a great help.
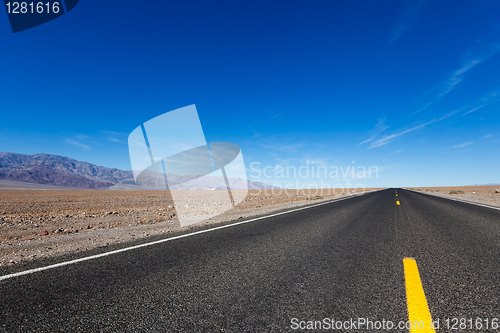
x: 66, y: 172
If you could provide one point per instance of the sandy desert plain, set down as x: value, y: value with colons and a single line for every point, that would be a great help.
x: 486, y: 195
x: 37, y: 224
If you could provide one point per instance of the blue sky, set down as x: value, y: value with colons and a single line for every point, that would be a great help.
x: 410, y: 87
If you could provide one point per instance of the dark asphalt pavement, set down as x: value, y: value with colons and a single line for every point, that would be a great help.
x: 341, y: 260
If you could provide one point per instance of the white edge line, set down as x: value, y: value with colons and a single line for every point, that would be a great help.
x: 459, y: 200
x: 70, y: 262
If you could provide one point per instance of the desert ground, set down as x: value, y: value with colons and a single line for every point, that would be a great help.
x: 37, y: 223
x: 486, y: 195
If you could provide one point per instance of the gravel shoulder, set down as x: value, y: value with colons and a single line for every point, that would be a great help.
x: 37, y: 224
x: 486, y: 195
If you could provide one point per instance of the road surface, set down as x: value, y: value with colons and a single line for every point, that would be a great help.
x: 340, y: 261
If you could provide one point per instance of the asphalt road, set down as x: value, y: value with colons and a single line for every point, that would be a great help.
x: 341, y: 260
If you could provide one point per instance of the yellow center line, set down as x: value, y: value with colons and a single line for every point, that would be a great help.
x: 397, y: 202
x: 418, y: 310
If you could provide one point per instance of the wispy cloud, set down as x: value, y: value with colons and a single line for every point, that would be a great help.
x: 485, y: 101
x: 114, y: 133
x: 468, y: 143
x: 117, y: 137
x: 415, y: 127
x: 475, y: 109
x: 456, y: 77
x: 489, y: 99
x: 78, y: 144
x: 465, y: 144
x: 379, y: 128
x: 115, y: 140
x: 408, y: 17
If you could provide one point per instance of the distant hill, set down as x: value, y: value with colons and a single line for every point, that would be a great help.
x: 63, y: 171
x: 41, y: 174
x: 60, y: 171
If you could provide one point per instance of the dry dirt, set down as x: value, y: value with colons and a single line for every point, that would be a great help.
x: 39, y: 223
x: 487, y: 195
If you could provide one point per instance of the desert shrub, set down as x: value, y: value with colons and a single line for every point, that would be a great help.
x: 456, y: 192
x: 315, y: 198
